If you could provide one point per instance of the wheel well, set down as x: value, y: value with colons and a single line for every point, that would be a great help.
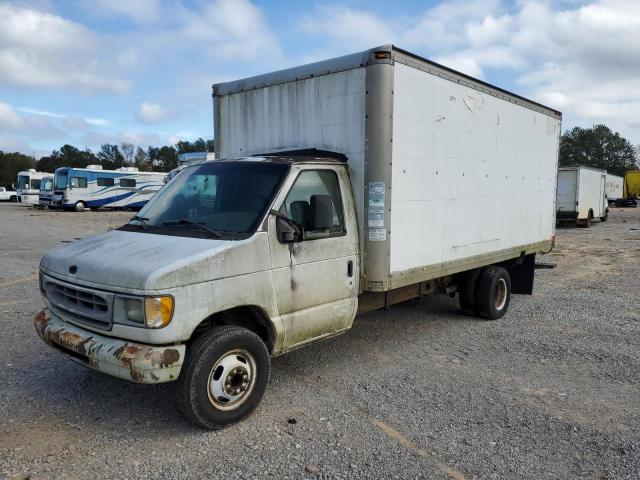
x: 250, y: 317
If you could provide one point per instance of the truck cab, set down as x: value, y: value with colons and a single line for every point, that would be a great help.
x: 45, y: 197
x: 264, y: 250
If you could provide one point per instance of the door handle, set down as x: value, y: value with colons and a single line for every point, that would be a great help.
x: 350, y: 268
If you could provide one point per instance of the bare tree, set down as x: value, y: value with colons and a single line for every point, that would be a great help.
x: 127, y: 152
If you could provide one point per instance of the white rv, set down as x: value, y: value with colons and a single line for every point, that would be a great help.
x: 581, y: 195
x: 29, y: 186
x: 93, y: 187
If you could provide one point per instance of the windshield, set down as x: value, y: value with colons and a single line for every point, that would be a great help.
x: 46, y: 185
x: 61, y: 180
x: 227, y: 197
x: 23, y: 182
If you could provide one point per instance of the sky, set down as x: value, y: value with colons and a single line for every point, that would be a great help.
x: 140, y: 71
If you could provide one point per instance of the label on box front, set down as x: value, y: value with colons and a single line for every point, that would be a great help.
x: 376, y: 217
x: 376, y: 195
x: 377, y: 235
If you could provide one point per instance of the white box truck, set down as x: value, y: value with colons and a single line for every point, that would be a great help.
x: 340, y: 187
x: 613, y: 189
x: 581, y: 195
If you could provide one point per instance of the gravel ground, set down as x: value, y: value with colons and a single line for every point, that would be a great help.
x: 550, y: 391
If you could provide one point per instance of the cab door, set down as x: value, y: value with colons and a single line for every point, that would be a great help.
x: 315, y: 275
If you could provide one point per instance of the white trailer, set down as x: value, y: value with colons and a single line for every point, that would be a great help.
x: 613, y: 188
x: 378, y: 177
x: 29, y: 187
x: 581, y: 195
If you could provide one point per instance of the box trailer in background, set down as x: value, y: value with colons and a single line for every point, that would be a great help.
x: 581, y: 195
x: 377, y: 178
x: 631, y: 189
x: 613, y: 188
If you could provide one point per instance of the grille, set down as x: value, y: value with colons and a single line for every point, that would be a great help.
x: 91, y: 307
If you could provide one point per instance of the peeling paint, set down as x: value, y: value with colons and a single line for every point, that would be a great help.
x: 131, y: 361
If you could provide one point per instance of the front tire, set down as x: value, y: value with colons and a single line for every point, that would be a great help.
x: 493, y: 293
x: 224, y: 377
x: 80, y: 206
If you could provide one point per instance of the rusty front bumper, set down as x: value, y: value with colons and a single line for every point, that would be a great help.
x: 132, y: 361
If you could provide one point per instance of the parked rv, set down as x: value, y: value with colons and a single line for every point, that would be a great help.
x: 246, y: 257
x: 8, y: 195
x: 186, y: 159
x: 631, y: 189
x: 45, y: 197
x: 29, y: 186
x: 613, y: 189
x: 93, y: 187
x: 581, y: 196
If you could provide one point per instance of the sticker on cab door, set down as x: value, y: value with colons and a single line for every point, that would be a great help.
x: 377, y: 235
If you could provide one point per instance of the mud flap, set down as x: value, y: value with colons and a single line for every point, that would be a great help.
x: 522, y: 274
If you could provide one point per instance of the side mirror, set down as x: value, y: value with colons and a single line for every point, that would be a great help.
x: 286, y: 233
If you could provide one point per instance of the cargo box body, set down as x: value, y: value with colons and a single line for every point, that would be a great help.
x: 613, y: 187
x: 581, y: 193
x: 448, y: 173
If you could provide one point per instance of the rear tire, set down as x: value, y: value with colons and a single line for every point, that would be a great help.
x: 224, y: 377
x: 493, y: 293
x: 80, y: 206
x: 13, y: 198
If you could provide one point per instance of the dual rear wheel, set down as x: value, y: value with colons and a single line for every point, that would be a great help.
x: 486, y: 292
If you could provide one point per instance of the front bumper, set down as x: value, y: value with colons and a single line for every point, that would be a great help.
x: 136, y: 362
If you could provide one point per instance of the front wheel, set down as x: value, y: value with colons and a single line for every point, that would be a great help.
x: 80, y: 206
x: 493, y: 293
x: 224, y: 377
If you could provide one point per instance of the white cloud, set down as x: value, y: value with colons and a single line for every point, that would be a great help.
x: 9, y: 119
x: 229, y: 30
x: 152, y: 113
x: 39, y: 49
x: 347, y: 26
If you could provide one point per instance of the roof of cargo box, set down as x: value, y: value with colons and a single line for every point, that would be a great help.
x: 286, y: 158
x: 383, y: 54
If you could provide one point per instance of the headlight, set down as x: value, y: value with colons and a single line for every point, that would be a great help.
x: 152, y: 312
x: 158, y: 311
x: 134, y: 310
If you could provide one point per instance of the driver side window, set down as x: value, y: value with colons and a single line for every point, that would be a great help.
x: 314, y: 202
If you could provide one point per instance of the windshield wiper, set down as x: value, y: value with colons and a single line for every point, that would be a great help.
x: 143, y: 221
x: 186, y: 221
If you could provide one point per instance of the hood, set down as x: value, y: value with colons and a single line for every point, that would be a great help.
x: 123, y: 260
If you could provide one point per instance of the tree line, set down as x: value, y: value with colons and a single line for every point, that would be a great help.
x: 597, y: 147
x: 110, y: 157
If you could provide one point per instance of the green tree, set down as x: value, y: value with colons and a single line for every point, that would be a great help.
x: 67, y: 156
x: 199, y: 145
x: 11, y: 164
x: 597, y: 147
x: 110, y: 157
x: 141, y: 160
x: 162, y: 159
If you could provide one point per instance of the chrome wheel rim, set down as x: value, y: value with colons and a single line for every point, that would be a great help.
x: 232, y: 380
x: 500, y: 297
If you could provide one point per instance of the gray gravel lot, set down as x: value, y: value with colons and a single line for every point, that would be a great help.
x: 550, y: 391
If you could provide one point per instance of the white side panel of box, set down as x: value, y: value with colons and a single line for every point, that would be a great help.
x: 591, y: 184
x: 327, y: 113
x: 613, y: 186
x: 472, y: 174
x: 567, y: 190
